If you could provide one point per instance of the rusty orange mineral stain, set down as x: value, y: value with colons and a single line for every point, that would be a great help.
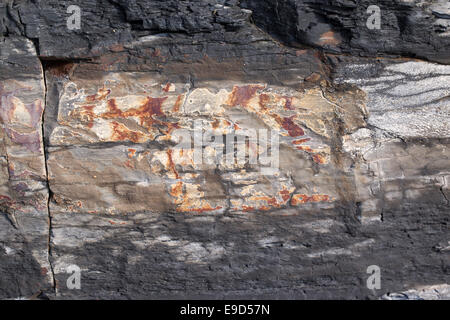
x: 149, y: 114
x: 240, y: 96
x: 131, y: 153
x: 146, y: 112
x: 319, y: 159
x: 152, y: 107
x: 185, y: 204
x: 215, y: 123
x: 290, y: 126
x: 88, y: 112
x: 166, y: 88
x: 329, y: 38
x: 113, y: 110
x: 119, y: 223
x: 178, y: 103
x: 205, y: 208
x: 271, y: 201
x: 177, y: 189
x: 264, y: 99
x: 303, y: 198
x: 248, y: 209
x: 122, y: 133
x: 100, y: 95
x: 301, y: 141
x: 285, y: 194
x: 171, y: 164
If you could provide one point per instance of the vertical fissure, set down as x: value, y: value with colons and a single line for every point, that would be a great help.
x: 49, y: 246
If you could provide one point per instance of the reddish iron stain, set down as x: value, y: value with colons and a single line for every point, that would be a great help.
x: 206, y: 208
x: 177, y: 190
x: 293, y: 129
x: 121, y: 133
x: 240, y: 96
x: 215, y: 123
x: 131, y: 153
x: 44, y: 271
x: 147, y: 113
x: 167, y: 87
x: 285, y: 194
x: 264, y: 99
x: 273, y: 202
x: 171, y: 164
x: 319, y: 159
x: 177, y: 106
x: 301, y: 141
x: 303, y: 198
x: 100, y: 95
x: 89, y: 113
x: 153, y: 106
x: 113, y: 110
x: 150, y: 108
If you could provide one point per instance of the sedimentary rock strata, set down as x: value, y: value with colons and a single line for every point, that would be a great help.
x: 224, y: 149
x: 23, y: 178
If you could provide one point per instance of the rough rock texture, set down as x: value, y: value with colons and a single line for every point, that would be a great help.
x: 413, y: 28
x: 93, y: 176
x: 24, y: 192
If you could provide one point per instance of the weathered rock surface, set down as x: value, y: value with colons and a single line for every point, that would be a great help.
x: 24, y: 228
x: 413, y: 28
x: 94, y: 176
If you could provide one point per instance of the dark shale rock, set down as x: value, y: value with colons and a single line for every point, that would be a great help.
x: 410, y: 28
x: 91, y: 174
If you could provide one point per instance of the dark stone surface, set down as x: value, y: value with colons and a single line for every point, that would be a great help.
x: 261, y: 256
x: 407, y: 27
x: 413, y: 28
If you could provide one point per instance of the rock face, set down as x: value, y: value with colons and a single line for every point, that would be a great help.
x: 173, y: 149
x: 412, y: 28
x: 23, y: 179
